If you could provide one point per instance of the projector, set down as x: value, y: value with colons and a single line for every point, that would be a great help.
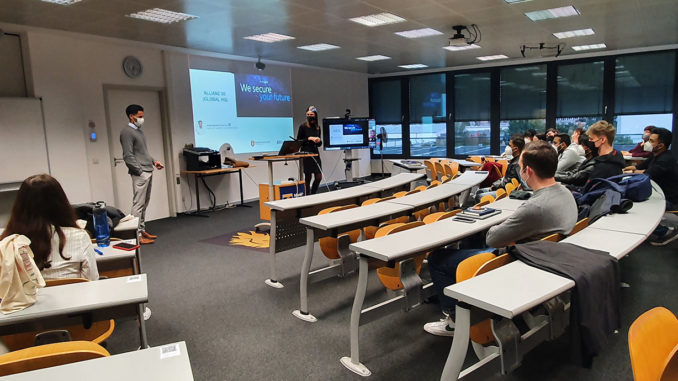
x: 458, y: 40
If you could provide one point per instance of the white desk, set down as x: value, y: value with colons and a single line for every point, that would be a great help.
x: 336, y: 223
x: 648, y: 211
x: 401, y: 246
x: 167, y: 362
x: 618, y: 244
x: 60, y: 306
x: 465, y: 163
x: 408, y: 166
x: 286, y: 231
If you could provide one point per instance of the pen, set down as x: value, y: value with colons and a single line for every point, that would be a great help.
x: 98, y: 251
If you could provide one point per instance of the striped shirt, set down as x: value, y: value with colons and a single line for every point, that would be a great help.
x: 81, y: 262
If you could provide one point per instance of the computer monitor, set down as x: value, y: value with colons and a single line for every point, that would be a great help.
x: 345, y: 133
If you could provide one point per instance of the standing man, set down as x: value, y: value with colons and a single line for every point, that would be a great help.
x: 140, y: 165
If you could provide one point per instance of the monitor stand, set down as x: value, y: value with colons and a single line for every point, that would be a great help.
x: 348, y: 170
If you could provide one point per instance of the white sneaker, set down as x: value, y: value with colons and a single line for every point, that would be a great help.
x: 147, y: 313
x: 443, y: 327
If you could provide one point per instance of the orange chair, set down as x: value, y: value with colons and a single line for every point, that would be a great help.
x: 370, y: 231
x: 487, y: 199
x: 421, y: 188
x: 433, y: 184
x: 653, y: 346
x: 516, y: 183
x: 330, y: 245
x: 440, y: 170
x: 504, y: 166
x: 390, y: 276
x: 476, y: 159
x: 510, y: 188
x: 501, y: 193
x: 49, y: 355
x: 97, y: 333
x: 451, y: 169
x: 580, y: 225
x: 437, y: 216
x: 481, y: 333
x: 431, y: 170
x: 399, y: 194
x: 555, y: 237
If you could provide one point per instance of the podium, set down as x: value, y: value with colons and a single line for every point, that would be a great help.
x: 289, y: 189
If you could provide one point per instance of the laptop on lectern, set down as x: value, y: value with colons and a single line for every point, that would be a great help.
x: 289, y: 147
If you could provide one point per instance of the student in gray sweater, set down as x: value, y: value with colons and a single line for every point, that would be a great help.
x: 551, y: 209
x: 140, y: 166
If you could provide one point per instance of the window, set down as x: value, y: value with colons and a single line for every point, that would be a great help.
x: 472, y: 114
x: 428, y: 127
x: 643, y: 95
x: 386, y: 108
x: 522, y: 101
x: 580, y: 95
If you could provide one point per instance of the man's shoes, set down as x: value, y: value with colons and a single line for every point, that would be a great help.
x: 670, y: 236
x: 148, y: 235
x: 443, y: 327
x: 145, y: 241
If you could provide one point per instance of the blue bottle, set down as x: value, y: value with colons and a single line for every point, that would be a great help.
x: 103, y: 235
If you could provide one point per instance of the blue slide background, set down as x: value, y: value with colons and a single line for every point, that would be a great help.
x: 215, y: 107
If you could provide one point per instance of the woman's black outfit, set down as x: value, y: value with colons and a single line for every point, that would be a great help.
x: 312, y: 165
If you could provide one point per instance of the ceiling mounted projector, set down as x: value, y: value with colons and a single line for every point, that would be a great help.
x: 260, y: 65
x: 459, y: 39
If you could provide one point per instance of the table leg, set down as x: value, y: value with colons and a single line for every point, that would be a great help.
x: 270, y: 181
x: 302, y: 313
x: 273, y: 280
x: 301, y: 175
x: 353, y: 362
x: 455, y: 360
x: 142, y: 327
x: 242, y: 199
x: 197, y: 199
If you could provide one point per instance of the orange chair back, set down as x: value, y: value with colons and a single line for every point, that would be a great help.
x: 431, y: 169
x: 330, y: 245
x: 439, y: 216
x: 390, y: 277
x: 49, y: 355
x: 451, y: 169
x: 653, y: 346
x: 399, y: 194
x: 515, y: 182
x: 504, y: 166
x: 421, y: 188
x: 440, y: 171
x: 555, y: 237
x: 510, y: 188
x: 580, y: 225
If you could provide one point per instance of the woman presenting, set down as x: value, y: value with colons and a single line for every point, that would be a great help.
x: 309, y: 135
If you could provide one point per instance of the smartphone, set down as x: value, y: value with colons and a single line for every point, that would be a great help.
x: 125, y: 246
x: 464, y: 219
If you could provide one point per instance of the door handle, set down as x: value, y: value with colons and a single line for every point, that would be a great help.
x: 117, y: 160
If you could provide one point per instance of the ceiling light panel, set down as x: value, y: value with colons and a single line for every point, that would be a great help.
x: 413, y: 66
x: 269, y: 37
x: 552, y: 13
x: 492, y: 58
x: 378, y: 19
x: 374, y: 58
x: 574, y: 33
x: 458, y: 48
x: 418, y: 33
x: 162, y: 16
x: 589, y: 47
x: 62, y: 2
x: 318, y: 47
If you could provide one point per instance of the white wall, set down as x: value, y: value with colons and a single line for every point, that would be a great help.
x: 69, y: 71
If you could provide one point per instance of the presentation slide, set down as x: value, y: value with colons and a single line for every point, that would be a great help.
x: 346, y: 134
x: 252, y: 112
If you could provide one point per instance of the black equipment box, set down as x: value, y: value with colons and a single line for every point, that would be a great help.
x: 200, y: 159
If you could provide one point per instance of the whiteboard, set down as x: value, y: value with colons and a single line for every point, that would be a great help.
x: 23, y: 148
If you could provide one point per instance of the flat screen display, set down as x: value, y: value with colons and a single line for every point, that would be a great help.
x: 343, y: 133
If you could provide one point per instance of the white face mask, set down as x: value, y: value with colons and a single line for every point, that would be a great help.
x: 508, y: 151
x: 139, y: 122
x: 646, y: 137
x: 647, y: 147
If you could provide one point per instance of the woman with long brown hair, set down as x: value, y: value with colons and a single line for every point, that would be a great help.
x: 42, y: 213
x: 309, y: 135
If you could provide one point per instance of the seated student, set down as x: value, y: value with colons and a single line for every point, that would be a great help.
x: 530, y: 136
x: 513, y: 171
x: 661, y: 167
x: 575, y: 140
x: 580, y: 175
x: 568, y: 158
x: 42, y: 213
x: 551, y: 209
x: 609, y: 161
x: 550, y: 134
x: 643, y: 149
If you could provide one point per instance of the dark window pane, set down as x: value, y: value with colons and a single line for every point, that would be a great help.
x: 644, y: 83
x: 568, y: 125
x: 472, y: 137
x: 508, y: 128
x: 523, y: 92
x: 472, y: 97
x: 385, y: 101
x: 580, y: 89
x: 428, y: 128
x: 630, y: 128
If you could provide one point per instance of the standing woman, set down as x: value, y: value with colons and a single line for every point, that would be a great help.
x: 309, y: 135
x: 42, y: 213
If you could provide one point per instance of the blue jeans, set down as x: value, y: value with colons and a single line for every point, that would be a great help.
x: 442, y: 264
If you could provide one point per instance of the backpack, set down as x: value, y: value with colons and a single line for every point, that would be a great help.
x: 635, y: 186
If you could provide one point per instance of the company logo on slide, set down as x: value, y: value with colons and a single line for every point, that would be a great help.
x: 252, y: 143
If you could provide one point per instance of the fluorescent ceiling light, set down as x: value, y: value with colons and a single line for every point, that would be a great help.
x: 418, y: 33
x: 491, y: 58
x: 162, y: 16
x: 374, y: 58
x: 574, y: 33
x: 589, y: 47
x: 378, y: 19
x: 413, y: 66
x: 552, y: 13
x: 62, y: 2
x: 318, y: 47
x: 269, y: 37
x: 458, y: 48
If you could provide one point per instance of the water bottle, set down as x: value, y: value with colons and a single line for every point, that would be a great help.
x: 101, y: 225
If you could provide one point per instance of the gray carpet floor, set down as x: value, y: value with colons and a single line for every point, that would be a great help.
x: 237, y: 328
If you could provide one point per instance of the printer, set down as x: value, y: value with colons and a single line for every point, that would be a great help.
x: 200, y: 159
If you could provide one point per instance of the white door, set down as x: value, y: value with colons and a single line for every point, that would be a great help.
x: 117, y: 101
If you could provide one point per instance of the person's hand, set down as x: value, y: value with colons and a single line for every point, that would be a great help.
x: 158, y: 165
